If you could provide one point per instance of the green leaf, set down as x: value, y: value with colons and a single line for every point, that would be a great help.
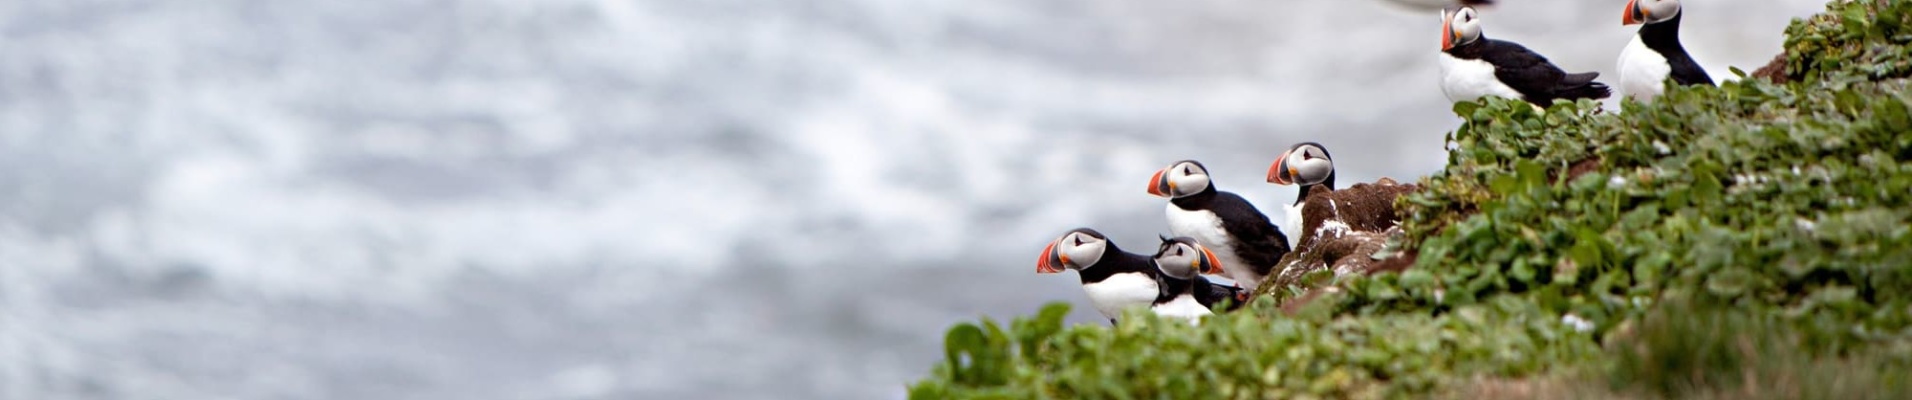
x: 1465, y: 108
x: 1417, y: 279
x: 1532, y: 173
x: 1522, y: 271
x: 1732, y: 282
x: 1706, y: 189
x: 971, y: 358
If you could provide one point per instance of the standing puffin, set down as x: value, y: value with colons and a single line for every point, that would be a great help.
x: 1473, y: 66
x: 1239, y: 235
x: 1655, y: 53
x: 1184, y: 293
x: 1430, y: 5
x: 1308, y: 165
x: 1114, y: 279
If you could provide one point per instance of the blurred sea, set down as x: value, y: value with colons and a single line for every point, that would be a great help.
x: 663, y: 199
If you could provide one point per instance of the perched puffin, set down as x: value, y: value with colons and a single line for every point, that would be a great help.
x: 1655, y: 53
x: 1473, y: 66
x: 1239, y: 235
x: 1114, y: 279
x: 1184, y: 293
x: 1430, y: 5
x: 1361, y: 208
x: 1308, y: 165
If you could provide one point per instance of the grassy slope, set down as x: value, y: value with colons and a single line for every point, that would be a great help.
x: 1720, y: 243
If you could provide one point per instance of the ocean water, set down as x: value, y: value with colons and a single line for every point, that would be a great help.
x: 670, y: 199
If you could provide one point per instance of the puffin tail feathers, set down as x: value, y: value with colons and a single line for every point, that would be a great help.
x: 1578, y: 79
x: 1582, y: 86
x: 1594, y: 90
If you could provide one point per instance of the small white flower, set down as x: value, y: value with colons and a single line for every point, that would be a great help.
x: 1578, y: 324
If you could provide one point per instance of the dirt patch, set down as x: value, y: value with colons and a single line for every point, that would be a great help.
x: 1582, y: 167
x: 1774, y: 71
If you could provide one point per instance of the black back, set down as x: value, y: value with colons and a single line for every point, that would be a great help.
x: 1527, y: 72
x: 1257, y: 241
x: 1664, y: 38
x: 1115, y: 261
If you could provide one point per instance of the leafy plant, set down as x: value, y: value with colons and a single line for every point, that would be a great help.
x: 1773, y: 208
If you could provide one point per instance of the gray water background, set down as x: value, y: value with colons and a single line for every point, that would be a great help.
x: 662, y: 199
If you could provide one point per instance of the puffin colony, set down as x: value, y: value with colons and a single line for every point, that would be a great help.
x: 1220, y: 233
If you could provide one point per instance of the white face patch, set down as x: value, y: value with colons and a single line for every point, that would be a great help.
x: 1085, y: 254
x: 1466, y: 26
x: 1188, y: 179
x: 1659, y: 10
x: 1310, y: 164
x: 1179, y: 261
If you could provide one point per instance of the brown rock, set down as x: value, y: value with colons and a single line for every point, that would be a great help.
x: 1360, y: 208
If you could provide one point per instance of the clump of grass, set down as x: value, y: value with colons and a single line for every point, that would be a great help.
x: 1709, y: 350
x: 1697, y: 350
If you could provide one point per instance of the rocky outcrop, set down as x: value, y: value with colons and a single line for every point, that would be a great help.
x: 1347, y: 231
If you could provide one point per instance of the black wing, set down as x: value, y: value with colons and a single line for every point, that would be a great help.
x: 1257, y: 241
x: 1537, y: 79
x: 1524, y: 70
x: 1686, y: 71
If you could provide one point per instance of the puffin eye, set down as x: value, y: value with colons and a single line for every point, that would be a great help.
x: 1187, y: 170
x: 1178, y: 250
x: 1078, y: 240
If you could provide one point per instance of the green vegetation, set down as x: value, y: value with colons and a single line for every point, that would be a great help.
x: 1745, y: 241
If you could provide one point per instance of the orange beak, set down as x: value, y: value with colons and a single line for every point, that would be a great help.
x: 1633, y: 8
x: 1447, y: 31
x: 1051, y: 262
x: 1280, y: 173
x: 1214, y: 265
x: 1158, y: 184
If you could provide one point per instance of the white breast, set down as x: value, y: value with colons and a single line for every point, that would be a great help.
x: 1184, y: 307
x: 1291, y: 227
x: 1469, y: 80
x: 1121, y: 291
x: 1642, y: 71
x: 1206, y: 228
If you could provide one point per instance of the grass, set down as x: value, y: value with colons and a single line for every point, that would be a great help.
x: 1751, y: 240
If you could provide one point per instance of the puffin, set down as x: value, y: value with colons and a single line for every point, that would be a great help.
x: 1473, y: 66
x: 1304, y: 162
x: 1114, y: 279
x: 1360, y: 208
x: 1430, y: 5
x: 1184, y: 293
x: 1655, y: 52
x: 1225, y: 223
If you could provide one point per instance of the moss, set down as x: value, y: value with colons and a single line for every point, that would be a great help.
x: 1783, y: 203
